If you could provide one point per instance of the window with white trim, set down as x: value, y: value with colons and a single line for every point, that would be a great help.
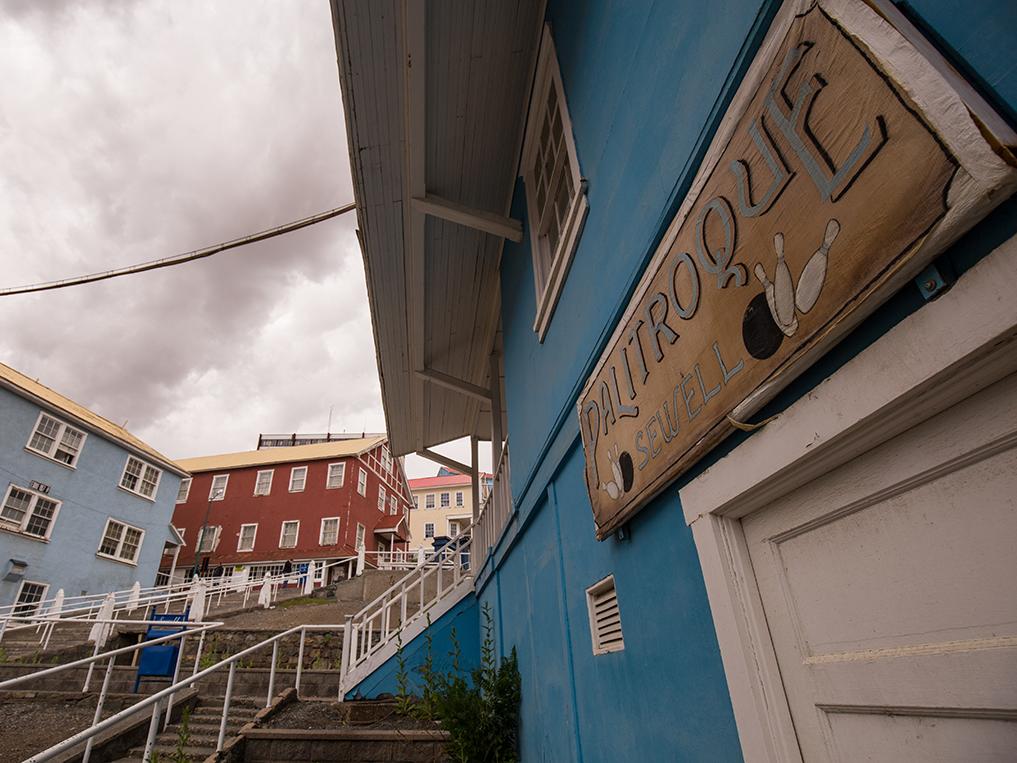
x: 393, y: 505
x: 121, y: 541
x: 381, y: 499
x: 184, y: 490
x: 218, y: 489
x: 336, y: 476
x: 30, y: 593
x: 247, y: 535
x: 140, y: 478
x: 329, y: 534
x: 362, y: 481
x: 55, y: 439
x: 555, y: 193
x: 263, y: 482
x: 208, y: 537
x: 460, y: 498
x: 445, y: 500
x: 429, y: 501
x: 298, y: 478
x: 416, y: 501
x: 605, y: 617
x: 288, y: 533
x: 361, y: 533
x: 26, y: 511
x: 428, y: 529
x: 386, y: 459
x: 455, y: 526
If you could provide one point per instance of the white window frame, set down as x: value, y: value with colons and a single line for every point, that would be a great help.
x: 416, y: 501
x: 339, y: 466
x: 216, y: 530
x: 361, y: 536
x: 321, y: 531
x: 362, y: 482
x: 282, y: 532
x: 7, y: 524
x: 548, y: 288
x: 257, y: 481
x: 21, y: 588
x: 429, y: 501
x: 212, y: 487
x: 427, y: 525
x: 460, y: 499
x: 382, y: 496
x: 64, y: 426
x: 464, y: 521
x: 141, y: 478
x: 184, y: 490
x: 180, y: 532
x: 393, y: 504
x: 240, y: 537
x: 445, y: 500
x: 303, y: 481
x: 120, y: 543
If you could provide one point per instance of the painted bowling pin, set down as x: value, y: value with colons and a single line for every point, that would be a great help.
x: 813, y: 276
x: 768, y: 289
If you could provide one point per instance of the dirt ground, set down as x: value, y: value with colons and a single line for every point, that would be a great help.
x: 28, y: 726
x: 325, y: 715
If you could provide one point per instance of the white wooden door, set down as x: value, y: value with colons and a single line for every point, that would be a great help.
x: 890, y: 591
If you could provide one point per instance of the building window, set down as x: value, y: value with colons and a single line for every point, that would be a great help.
x: 288, y: 534
x: 459, y: 498
x: 429, y: 529
x: 381, y: 499
x: 121, y: 541
x: 416, y: 501
x: 29, y: 595
x: 28, y: 512
x: 329, y: 534
x: 263, y: 482
x: 140, y: 478
x: 429, y: 501
x: 555, y: 193
x: 247, y: 535
x: 361, y: 532
x: 393, y: 505
x: 445, y: 500
x: 362, y: 481
x: 455, y: 526
x: 605, y: 617
x: 218, y: 490
x: 184, y: 490
x: 336, y: 476
x: 55, y: 439
x: 386, y: 459
x: 207, y: 539
x: 298, y: 476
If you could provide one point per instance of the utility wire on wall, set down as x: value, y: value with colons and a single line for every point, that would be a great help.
x: 180, y: 259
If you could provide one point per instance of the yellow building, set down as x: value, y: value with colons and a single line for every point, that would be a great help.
x: 442, y: 506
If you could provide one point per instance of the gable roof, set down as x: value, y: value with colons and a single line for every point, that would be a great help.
x: 32, y: 389
x: 323, y: 450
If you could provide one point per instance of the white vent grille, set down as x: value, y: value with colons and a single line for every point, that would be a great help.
x: 605, y: 617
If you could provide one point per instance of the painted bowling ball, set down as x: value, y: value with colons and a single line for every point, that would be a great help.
x: 760, y: 333
x: 628, y: 471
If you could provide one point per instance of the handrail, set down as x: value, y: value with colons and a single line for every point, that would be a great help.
x: 155, y: 700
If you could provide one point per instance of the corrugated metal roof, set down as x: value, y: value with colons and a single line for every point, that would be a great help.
x: 18, y: 383
x: 340, y: 448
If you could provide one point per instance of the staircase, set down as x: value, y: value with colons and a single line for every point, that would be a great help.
x: 202, y: 730
x: 68, y: 642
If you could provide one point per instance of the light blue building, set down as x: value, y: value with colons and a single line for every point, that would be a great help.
x: 736, y: 280
x: 86, y: 505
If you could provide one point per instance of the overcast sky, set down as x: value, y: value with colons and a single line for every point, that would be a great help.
x: 136, y: 130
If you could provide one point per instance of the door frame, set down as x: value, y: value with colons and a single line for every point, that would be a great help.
x: 945, y: 352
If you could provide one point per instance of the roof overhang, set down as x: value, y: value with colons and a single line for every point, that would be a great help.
x: 397, y: 529
x: 435, y: 98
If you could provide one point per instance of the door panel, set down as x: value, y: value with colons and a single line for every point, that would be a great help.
x: 888, y: 587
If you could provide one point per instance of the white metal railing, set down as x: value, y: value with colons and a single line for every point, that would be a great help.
x: 495, y: 513
x: 188, y: 629
x: 155, y: 701
x: 393, y: 560
x: 409, y: 598
x: 50, y: 613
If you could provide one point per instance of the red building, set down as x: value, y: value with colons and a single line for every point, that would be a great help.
x: 306, y: 503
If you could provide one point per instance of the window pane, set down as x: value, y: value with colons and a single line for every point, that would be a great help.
x: 185, y: 488
x: 42, y: 517
x: 336, y: 473
x: 149, y: 481
x: 111, y: 540
x: 132, y: 541
x: 16, y: 506
x: 45, y: 434
x: 29, y: 598
x: 132, y: 474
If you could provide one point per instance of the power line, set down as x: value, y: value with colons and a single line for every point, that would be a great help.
x: 179, y: 259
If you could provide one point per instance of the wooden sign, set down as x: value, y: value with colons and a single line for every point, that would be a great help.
x: 829, y: 181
